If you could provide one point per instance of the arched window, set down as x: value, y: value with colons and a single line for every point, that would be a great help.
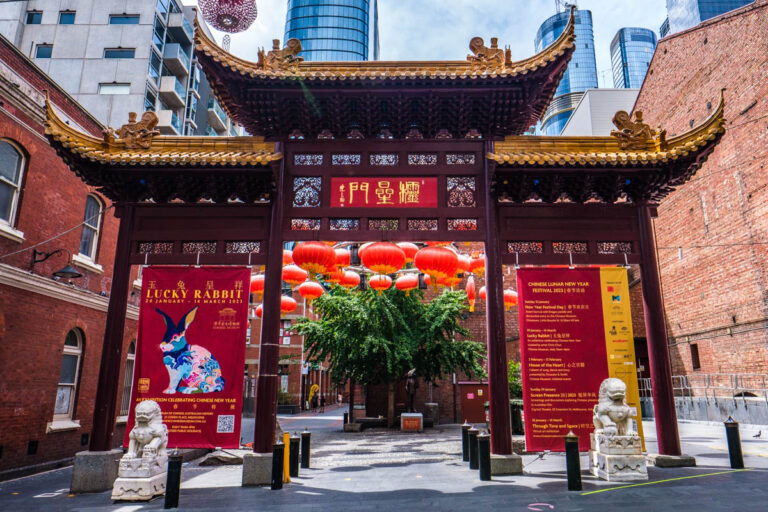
x: 89, y: 239
x: 125, y: 401
x: 11, y: 168
x: 69, y: 375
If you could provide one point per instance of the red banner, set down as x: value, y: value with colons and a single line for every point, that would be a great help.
x: 571, y: 320
x: 191, y: 352
x: 384, y: 192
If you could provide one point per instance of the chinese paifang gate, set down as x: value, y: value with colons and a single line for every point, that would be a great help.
x: 452, y: 127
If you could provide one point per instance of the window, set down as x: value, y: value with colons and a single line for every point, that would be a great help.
x: 125, y: 402
x: 66, y: 17
x: 11, y: 166
x: 43, y: 51
x: 155, y: 66
x: 158, y: 36
x: 34, y: 17
x: 114, y: 88
x: 123, y: 19
x: 150, y: 98
x: 89, y: 239
x: 69, y: 375
x: 695, y: 362
x: 119, y: 53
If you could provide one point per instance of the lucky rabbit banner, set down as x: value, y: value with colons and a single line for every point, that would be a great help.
x: 190, y: 352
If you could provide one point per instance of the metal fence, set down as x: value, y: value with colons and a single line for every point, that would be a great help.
x: 714, y: 385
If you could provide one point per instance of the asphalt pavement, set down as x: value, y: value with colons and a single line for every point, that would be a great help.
x: 392, y: 471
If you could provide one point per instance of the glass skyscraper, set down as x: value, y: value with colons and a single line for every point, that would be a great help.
x: 332, y: 30
x: 684, y: 14
x: 581, y: 73
x: 631, y: 52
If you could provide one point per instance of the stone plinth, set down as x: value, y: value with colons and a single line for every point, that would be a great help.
x: 617, y: 458
x: 672, y: 461
x: 257, y: 469
x: 506, y: 465
x: 95, y: 471
x: 412, y: 422
x: 139, y: 488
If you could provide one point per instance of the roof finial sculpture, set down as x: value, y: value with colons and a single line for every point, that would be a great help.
x: 484, y: 58
x: 286, y: 59
x: 134, y: 134
x: 634, y: 133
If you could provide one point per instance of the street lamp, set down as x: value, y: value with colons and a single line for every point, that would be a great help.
x: 67, y: 272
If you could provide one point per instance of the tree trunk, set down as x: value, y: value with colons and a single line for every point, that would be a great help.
x: 390, y: 404
x: 351, y: 401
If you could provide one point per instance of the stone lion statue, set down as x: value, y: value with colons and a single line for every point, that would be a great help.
x: 612, y: 415
x: 146, y: 455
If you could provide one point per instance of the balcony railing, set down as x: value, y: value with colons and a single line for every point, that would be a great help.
x: 176, y: 60
x: 217, y: 118
x: 172, y: 91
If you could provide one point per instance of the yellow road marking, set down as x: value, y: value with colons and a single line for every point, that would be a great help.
x: 663, y: 481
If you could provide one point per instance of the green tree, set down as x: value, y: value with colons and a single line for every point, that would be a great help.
x: 372, y: 338
x: 515, y: 380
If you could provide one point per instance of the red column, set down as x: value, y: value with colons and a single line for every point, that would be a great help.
x: 501, y: 430
x: 656, y: 332
x: 269, y: 350
x: 112, y: 349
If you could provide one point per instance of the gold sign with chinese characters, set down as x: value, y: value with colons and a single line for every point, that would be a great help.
x: 384, y: 192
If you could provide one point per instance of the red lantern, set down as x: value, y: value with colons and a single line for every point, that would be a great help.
x: 287, y: 257
x: 287, y: 304
x: 437, y: 262
x: 427, y: 279
x: 314, y: 257
x: 380, y: 282
x: 464, y: 263
x: 409, y: 249
x: 350, y: 279
x: 482, y: 293
x: 259, y: 311
x: 438, y: 244
x: 407, y: 282
x: 362, y: 249
x: 335, y: 277
x: 510, y: 299
x: 294, y: 275
x: 383, y: 258
x: 471, y: 296
x: 257, y: 284
x: 449, y: 281
x: 342, y: 258
x: 229, y: 15
x: 477, y: 266
x: 310, y: 290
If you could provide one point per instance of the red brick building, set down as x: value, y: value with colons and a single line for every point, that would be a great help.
x: 713, y: 232
x: 51, y: 329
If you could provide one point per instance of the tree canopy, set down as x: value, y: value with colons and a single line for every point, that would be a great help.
x: 374, y: 338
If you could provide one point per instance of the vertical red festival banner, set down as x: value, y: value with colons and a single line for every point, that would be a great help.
x: 191, y: 352
x: 575, y: 331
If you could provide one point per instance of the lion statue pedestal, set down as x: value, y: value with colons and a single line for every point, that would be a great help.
x: 616, y: 453
x: 143, y: 469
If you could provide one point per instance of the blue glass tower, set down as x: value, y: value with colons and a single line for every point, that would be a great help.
x: 684, y: 14
x: 581, y: 73
x: 331, y: 30
x: 631, y: 52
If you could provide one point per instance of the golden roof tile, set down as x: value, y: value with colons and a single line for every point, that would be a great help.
x: 472, y: 68
x: 163, y: 150
x: 523, y: 151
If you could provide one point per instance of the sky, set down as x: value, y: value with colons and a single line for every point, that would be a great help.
x: 441, y: 29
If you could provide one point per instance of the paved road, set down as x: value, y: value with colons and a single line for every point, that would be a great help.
x: 383, y: 471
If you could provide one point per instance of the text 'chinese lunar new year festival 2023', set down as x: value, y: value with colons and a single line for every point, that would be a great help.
x: 377, y: 151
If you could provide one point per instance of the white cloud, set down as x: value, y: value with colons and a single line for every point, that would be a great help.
x: 441, y: 29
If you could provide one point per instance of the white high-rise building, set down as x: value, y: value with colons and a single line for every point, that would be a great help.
x: 120, y: 56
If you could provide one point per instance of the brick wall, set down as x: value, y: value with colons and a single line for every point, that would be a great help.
x: 716, y: 285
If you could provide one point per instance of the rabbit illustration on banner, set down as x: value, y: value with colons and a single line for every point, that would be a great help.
x: 191, y: 368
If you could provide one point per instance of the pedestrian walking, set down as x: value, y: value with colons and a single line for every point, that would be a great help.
x: 322, y: 403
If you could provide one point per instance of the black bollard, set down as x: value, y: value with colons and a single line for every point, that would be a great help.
x: 472, y: 441
x: 306, y: 438
x: 293, y: 456
x: 572, y: 461
x: 278, y: 452
x: 484, y: 455
x: 465, y: 441
x: 173, y: 481
x: 346, y: 418
x: 734, y: 443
